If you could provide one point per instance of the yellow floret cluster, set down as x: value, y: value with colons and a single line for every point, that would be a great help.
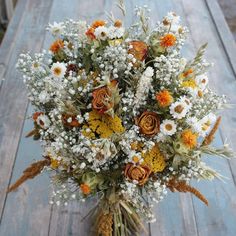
x: 102, y: 125
x: 155, y: 159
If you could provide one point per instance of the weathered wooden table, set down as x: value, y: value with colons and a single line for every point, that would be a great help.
x: 27, y: 212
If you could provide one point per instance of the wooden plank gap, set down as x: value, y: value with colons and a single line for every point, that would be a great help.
x: 223, y: 31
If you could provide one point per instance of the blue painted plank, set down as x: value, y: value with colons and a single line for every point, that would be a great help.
x: 27, y: 211
x: 219, y: 219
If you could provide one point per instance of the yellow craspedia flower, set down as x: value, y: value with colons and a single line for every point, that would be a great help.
x: 102, y: 125
x: 154, y: 159
x: 191, y: 83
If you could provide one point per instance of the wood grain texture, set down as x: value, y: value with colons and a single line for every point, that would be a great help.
x: 223, y: 32
x: 13, y: 93
x: 7, y: 44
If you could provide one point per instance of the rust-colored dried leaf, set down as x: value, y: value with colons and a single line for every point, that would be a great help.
x: 29, y: 173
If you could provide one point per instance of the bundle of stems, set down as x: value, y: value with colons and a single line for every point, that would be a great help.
x: 115, y: 216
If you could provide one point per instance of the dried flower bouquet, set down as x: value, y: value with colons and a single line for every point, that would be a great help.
x: 122, y: 116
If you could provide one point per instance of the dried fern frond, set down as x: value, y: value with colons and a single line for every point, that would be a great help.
x: 29, y: 173
x: 182, y: 186
x: 209, y: 138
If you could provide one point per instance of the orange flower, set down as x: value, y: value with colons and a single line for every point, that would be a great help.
x: 36, y: 115
x: 98, y: 23
x: 139, y: 173
x: 56, y: 46
x: 164, y: 98
x: 139, y: 50
x: 85, y: 189
x: 74, y: 122
x: 90, y: 33
x: 101, y: 101
x: 118, y: 23
x: 168, y: 40
x: 189, y: 138
x: 149, y: 123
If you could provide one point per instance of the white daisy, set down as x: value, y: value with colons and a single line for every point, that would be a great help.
x: 58, y: 69
x: 43, y: 121
x: 168, y: 127
x: 101, y: 32
x: 202, y: 81
x: 186, y: 100
x: 115, y: 32
x: 195, y: 124
x: 56, y: 28
x: 206, y: 123
x: 178, y: 110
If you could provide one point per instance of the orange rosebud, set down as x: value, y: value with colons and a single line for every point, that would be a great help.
x: 139, y: 173
x: 90, y: 33
x: 188, y: 72
x: 85, y: 189
x: 98, y: 23
x: 118, y: 23
x: 189, y: 138
x: 149, y: 123
x: 56, y: 46
x: 101, y: 98
x: 74, y: 122
x: 139, y: 50
x: 36, y: 115
x: 164, y: 98
x: 168, y: 40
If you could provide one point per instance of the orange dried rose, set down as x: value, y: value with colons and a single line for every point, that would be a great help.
x: 139, y: 173
x: 101, y: 101
x: 85, y: 189
x: 56, y: 46
x: 139, y: 50
x: 149, y: 123
x: 168, y: 40
x: 90, y: 33
x: 74, y: 122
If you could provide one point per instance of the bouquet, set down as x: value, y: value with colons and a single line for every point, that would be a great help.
x: 122, y: 116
